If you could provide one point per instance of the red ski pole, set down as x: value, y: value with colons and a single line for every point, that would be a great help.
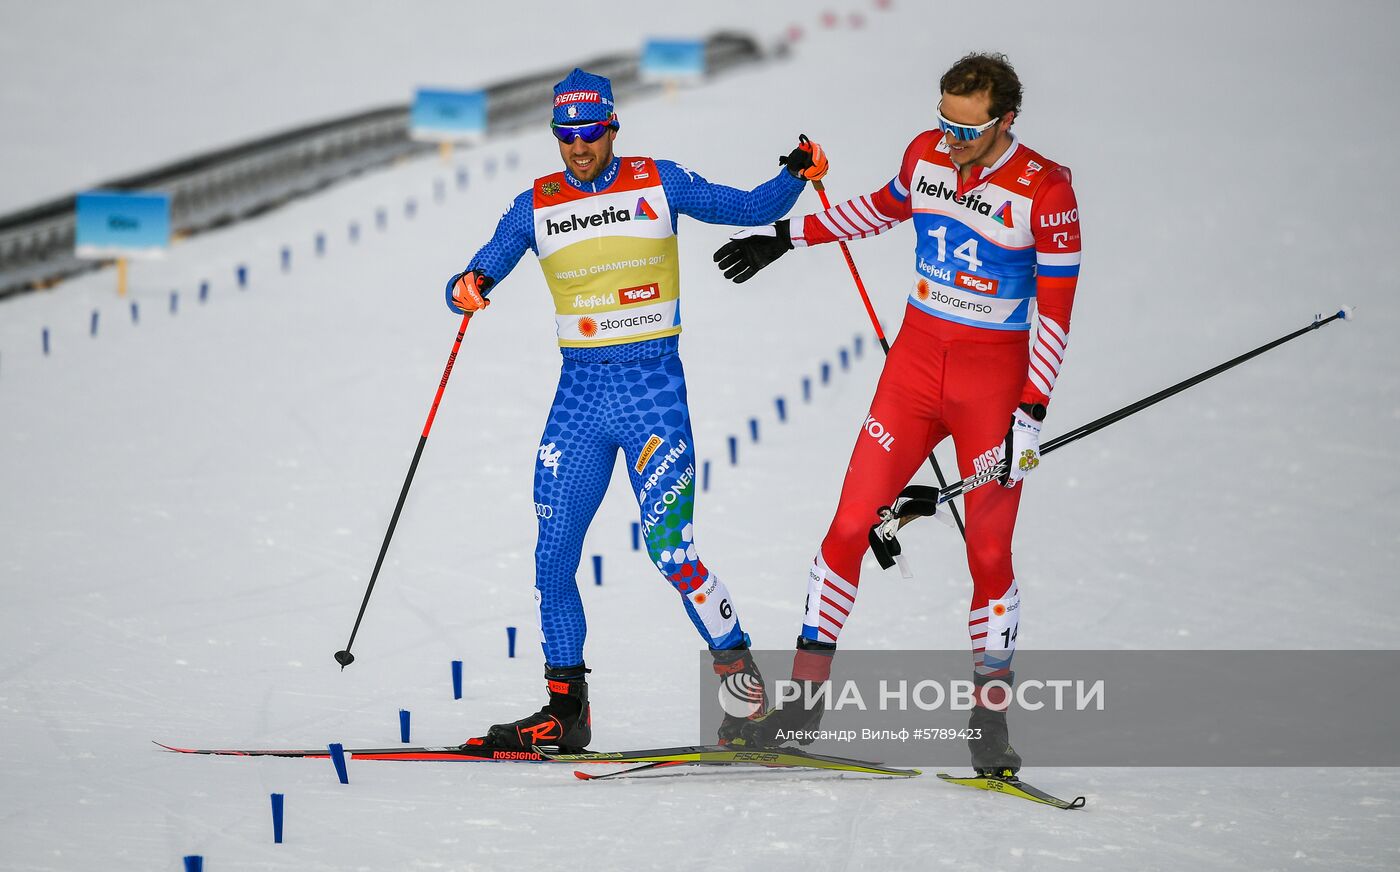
x: 880, y: 335
x: 345, y: 658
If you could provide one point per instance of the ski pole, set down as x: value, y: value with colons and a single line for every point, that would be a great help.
x: 345, y: 658
x: 880, y: 333
x: 976, y: 481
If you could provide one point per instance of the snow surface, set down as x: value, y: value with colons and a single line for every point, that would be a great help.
x: 191, y: 505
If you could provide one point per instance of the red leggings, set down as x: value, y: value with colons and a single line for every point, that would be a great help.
x: 940, y: 379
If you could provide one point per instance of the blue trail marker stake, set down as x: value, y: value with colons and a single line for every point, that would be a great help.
x: 354, y: 232
x: 320, y: 244
x: 403, y: 725
x: 410, y: 207
x: 782, y: 408
x: 380, y: 218
x: 461, y: 177
x: 338, y: 758
x: 636, y: 536
x: 286, y: 259
x: 806, y: 389
x: 733, y: 450
x: 92, y: 328
x: 845, y: 358
x: 826, y: 372
x: 194, y: 863
x: 859, y: 343
x: 705, y: 476
x: 174, y: 302
x: 490, y: 166
x: 456, y: 679
x: 277, y: 818
x: 598, y: 569
x: 753, y: 429
x: 510, y: 642
x: 135, y: 313
x: 439, y: 190
x: 203, y: 292
x: 242, y: 276
x: 45, y: 336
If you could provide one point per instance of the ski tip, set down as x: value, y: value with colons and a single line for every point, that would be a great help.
x: 582, y: 776
x: 170, y: 747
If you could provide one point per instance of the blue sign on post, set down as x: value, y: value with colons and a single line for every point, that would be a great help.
x: 441, y: 115
x: 673, y: 60
x: 122, y: 224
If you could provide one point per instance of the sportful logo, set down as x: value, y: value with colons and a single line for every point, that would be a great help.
x: 643, y: 212
x: 610, y: 215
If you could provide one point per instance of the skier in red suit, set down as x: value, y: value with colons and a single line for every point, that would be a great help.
x: 997, y: 253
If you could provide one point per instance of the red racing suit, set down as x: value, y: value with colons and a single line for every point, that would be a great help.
x: 996, y: 263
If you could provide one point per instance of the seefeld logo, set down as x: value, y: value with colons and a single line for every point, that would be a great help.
x: 610, y: 215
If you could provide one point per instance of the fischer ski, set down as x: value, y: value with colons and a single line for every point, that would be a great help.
x: 704, y: 755
x: 1013, y: 786
x: 457, y: 753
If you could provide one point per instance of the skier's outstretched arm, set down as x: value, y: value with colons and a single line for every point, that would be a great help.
x: 692, y: 194
x: 749, y: 251
x: 515, y: 233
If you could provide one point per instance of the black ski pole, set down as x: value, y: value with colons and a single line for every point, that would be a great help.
x: 345, y: 658
x: 976, y: 481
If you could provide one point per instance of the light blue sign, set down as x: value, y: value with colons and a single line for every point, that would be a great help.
x: 673, y: 59
x: 448, y: 115
x: 122, y: 224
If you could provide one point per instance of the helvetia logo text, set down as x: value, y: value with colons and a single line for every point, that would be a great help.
x: 943, y: 192
x: 610, y: 215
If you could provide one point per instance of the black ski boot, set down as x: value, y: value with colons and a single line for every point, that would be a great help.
x: 564, y: 724
x: 990, y: 741
x: 799, y: 719
x: 742, y: 694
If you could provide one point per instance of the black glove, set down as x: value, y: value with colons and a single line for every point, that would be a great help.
x: 750, y: 250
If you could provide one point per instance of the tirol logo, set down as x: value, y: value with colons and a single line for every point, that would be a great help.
x: 942, y: 192
x: 643, y: 212
x: 1003, y: 215
x: 639, y: 294
x: 976, y: 283
x: 610, y: 215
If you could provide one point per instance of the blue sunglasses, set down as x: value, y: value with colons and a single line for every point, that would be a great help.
x: 962, y: 131
x: 592, y: 132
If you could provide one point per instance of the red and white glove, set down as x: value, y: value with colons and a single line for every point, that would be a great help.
x: 1022, y: 447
